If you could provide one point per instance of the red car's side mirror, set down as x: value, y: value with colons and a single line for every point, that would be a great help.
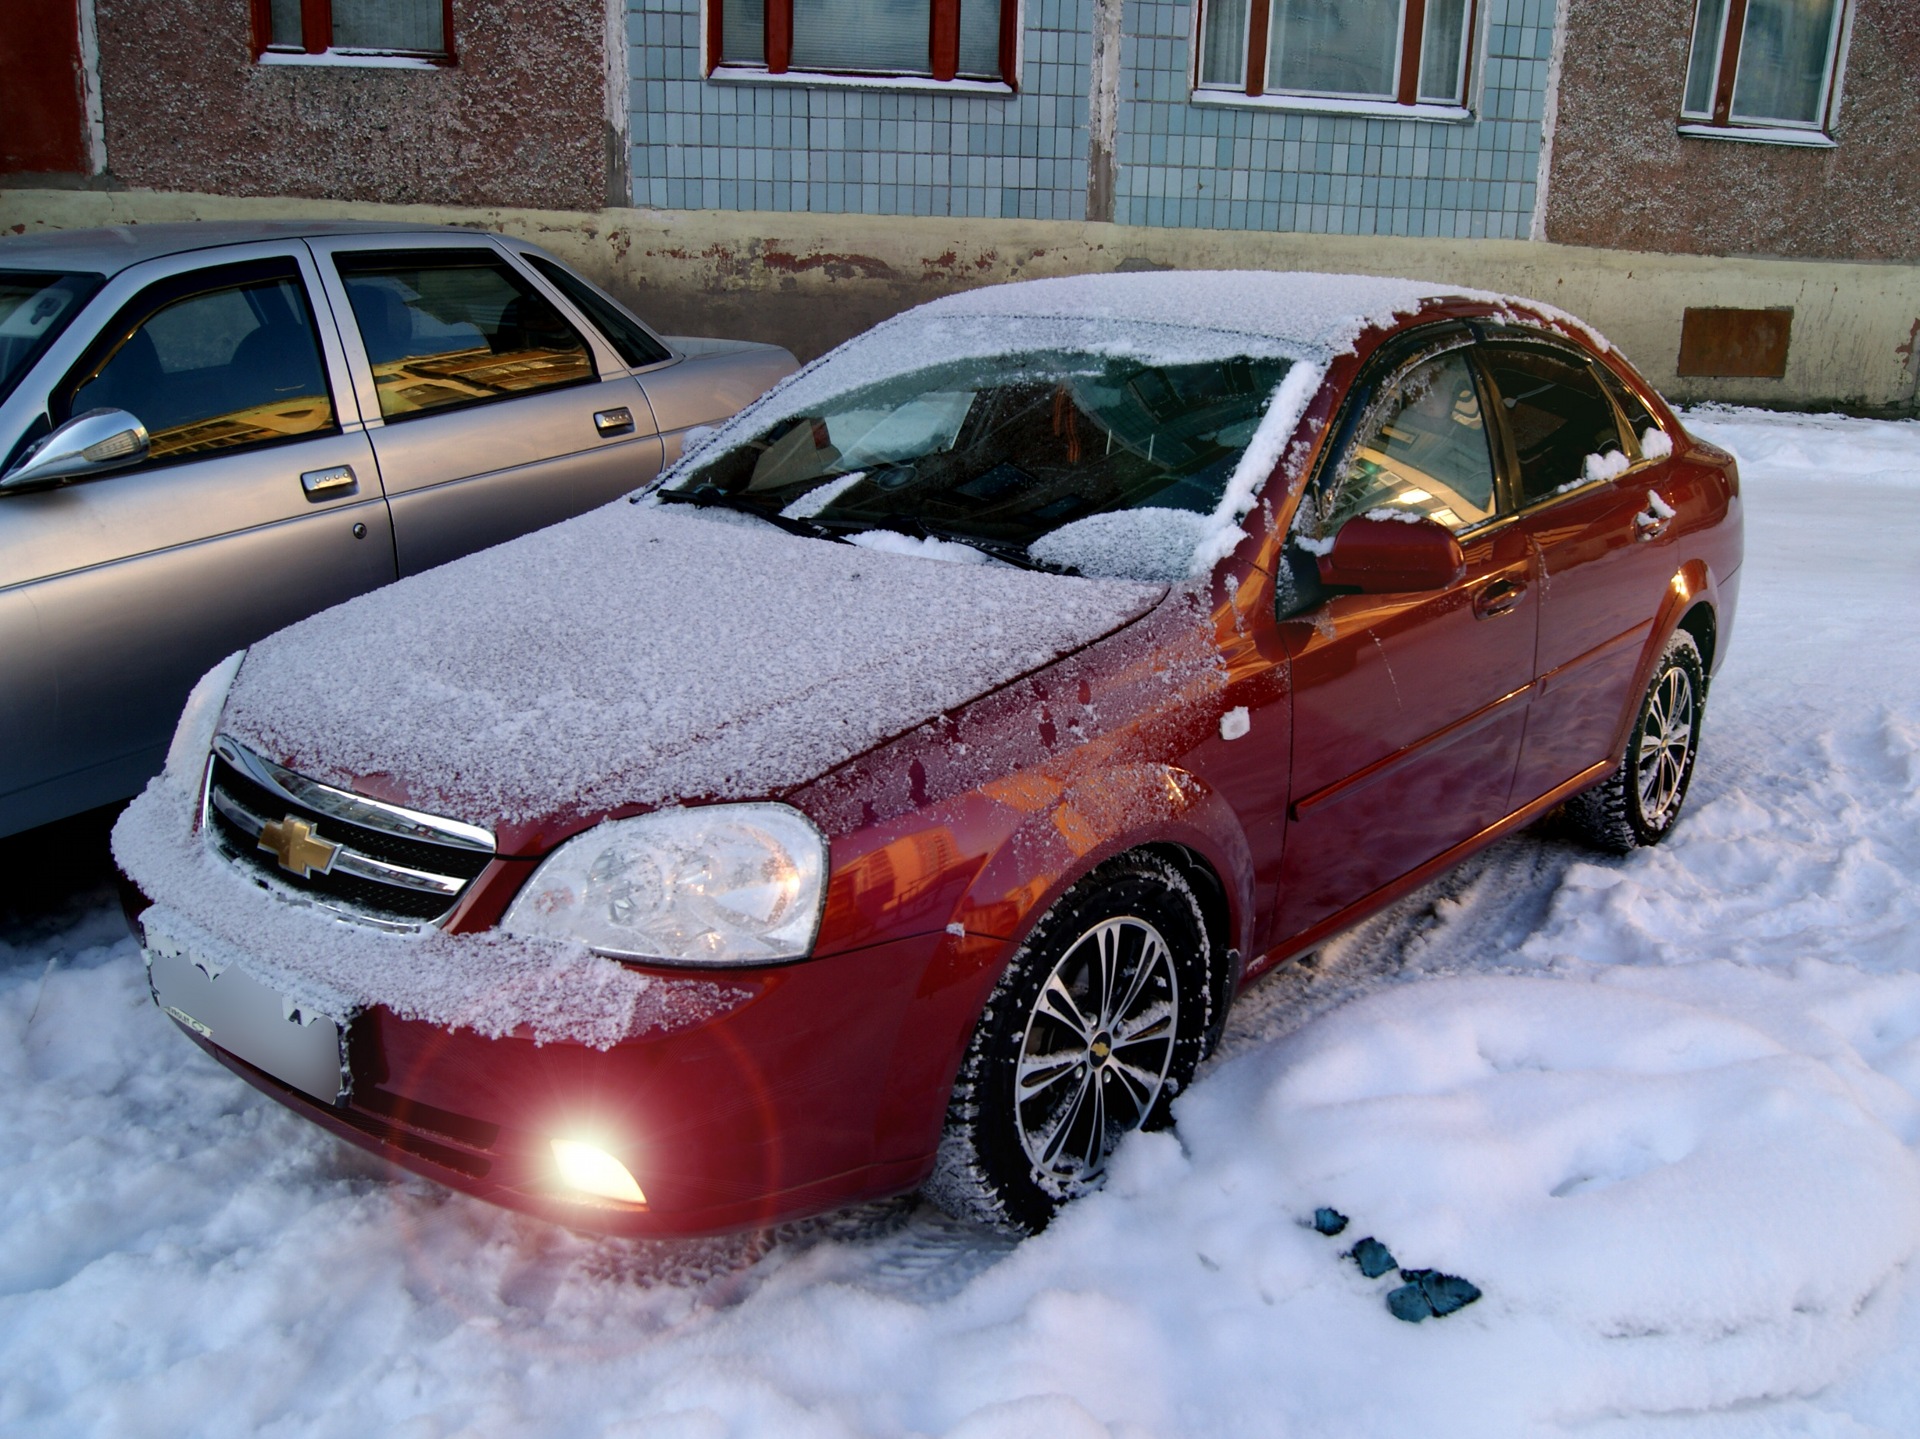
x: 1386, y: 557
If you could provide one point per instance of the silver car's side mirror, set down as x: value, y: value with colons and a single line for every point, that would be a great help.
x: 87, y: 444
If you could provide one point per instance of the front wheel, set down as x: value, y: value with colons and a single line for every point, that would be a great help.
x: 1639, y: 803
x: 1097, y: 1023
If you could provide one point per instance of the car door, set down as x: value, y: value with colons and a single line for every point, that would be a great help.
x: 257, y: 504
x: 1589, y: 488
x: 492, y: 410
x: 1409, y: 709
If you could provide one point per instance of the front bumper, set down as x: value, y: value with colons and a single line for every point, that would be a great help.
x: 827, y: 1086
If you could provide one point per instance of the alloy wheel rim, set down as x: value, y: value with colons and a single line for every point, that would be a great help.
x: 1097, y: 1051
x: 1666, y: 745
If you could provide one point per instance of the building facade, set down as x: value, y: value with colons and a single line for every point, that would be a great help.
x: 1689, y: 172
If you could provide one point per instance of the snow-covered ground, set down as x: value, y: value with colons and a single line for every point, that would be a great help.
x: 1664, y: 1111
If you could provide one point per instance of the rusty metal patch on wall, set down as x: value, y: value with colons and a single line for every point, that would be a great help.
x: 1734, y: 344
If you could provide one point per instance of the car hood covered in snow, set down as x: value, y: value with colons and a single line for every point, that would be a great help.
x: 640, y: 655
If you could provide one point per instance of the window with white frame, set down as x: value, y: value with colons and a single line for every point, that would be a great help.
x: 1760, y: 65
x: 925, y: 39
x: 1405, y: 52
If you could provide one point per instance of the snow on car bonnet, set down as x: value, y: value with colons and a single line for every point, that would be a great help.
x: 641, y: 655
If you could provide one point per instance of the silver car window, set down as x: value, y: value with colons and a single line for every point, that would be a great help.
x: 221, y: 359
x: 444, y: 328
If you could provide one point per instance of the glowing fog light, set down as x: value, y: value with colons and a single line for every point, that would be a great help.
x: 594, y: 1171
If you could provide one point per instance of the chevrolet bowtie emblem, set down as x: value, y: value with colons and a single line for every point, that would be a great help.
x: 299, y: 850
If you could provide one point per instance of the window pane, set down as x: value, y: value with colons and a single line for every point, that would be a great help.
x: 1334, y: 47
x: 980, y: 38
x: 1443, y: 51
x: 389, y: 25
x: 285, y: 20
x: 1783, y: 60
x: 743, y: 31
x: 633, y: 343
x: 1704, y: 61
x: 1039, y: 449
x: 229, y: 367
x: 1223, y: 46
x: 885, y: 36
x: 1558, y: 416
x: 34, y: 308
x: 1422, y: 448
x: 456, y: 327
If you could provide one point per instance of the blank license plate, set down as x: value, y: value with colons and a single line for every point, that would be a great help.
x: 254, y: 1021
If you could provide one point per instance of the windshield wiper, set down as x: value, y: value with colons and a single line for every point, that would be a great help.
x: 707, y: 497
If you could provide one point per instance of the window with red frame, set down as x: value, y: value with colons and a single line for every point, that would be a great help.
x: 1763, y: 64
x: 419, y: 28
x: 1407, y: 52
x: 935, y: 39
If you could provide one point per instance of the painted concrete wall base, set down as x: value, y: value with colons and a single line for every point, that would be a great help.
x: 809, y: 281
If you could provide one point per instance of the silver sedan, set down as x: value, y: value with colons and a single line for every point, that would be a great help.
x: 210, y: 431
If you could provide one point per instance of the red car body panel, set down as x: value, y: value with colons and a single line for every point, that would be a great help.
x: 1389, y: 736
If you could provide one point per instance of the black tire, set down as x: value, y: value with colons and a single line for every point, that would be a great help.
x: 1639, y: 803
x: 1042, y: 1098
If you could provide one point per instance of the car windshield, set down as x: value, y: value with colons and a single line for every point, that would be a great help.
x: 1005, y: 453
x: 35, y: 306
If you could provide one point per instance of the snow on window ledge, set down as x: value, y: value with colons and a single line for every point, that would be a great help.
x: 1329, y: 105
x: 925, y: 84
x: 355, y: 60
x: 1758, y: 135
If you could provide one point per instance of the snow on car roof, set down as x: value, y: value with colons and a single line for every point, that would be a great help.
x: 1315, y: 316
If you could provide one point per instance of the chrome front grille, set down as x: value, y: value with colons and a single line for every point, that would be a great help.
x: 376, y: 862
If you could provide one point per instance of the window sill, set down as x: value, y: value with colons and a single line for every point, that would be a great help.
x: 353, y: 60
x: 920, y: 84
x: 1326, y: 105
x: 1758, y: 135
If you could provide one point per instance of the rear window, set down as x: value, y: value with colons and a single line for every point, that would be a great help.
x: 35, y: 306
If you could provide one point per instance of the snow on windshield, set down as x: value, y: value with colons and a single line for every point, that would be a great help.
x: 1006, y: 452
x: 864, y: 410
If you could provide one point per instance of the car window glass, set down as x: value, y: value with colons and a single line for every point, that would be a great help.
x: 1641, y: 424
x: 446, y: 328
x: 213, y: 370
x: 1011, y: 451
x: 1564, y: 430
x: 1421, y: 446
x: 629, y: 339
x: 34, y: 308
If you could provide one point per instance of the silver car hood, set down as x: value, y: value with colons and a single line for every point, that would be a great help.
x: 643, y: 654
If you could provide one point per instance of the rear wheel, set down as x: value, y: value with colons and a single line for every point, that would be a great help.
x: 1639, y: 803
x: 1097, y: 1023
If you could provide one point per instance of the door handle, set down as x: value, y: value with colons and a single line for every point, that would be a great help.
x: 1500, y: 597
x: 1652, y: 522
x: 330, y: 483
x: 617, y: 421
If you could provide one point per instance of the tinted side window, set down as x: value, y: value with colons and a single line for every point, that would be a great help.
x: 629, y: 340
x: 1421, y: 445
x: 1563, y: 426
x: 1640, y: 420
x: 445, y: 328
x: 216, y: 367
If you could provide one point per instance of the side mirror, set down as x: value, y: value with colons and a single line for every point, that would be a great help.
x: 87, y: 444
x: 1378, y: 556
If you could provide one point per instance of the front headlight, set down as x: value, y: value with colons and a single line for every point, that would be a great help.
x: 721, y: 884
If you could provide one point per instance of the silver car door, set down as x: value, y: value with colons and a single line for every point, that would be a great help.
x: 493, y: 411
x: 688, y: 382
x: 258, y: 504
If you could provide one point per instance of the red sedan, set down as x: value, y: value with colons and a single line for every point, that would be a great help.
x: 899, y: 793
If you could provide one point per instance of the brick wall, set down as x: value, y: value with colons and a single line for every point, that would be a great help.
x: 518, y: 121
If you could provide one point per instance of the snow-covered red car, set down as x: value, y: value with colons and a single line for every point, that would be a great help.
x: 899, y: 792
